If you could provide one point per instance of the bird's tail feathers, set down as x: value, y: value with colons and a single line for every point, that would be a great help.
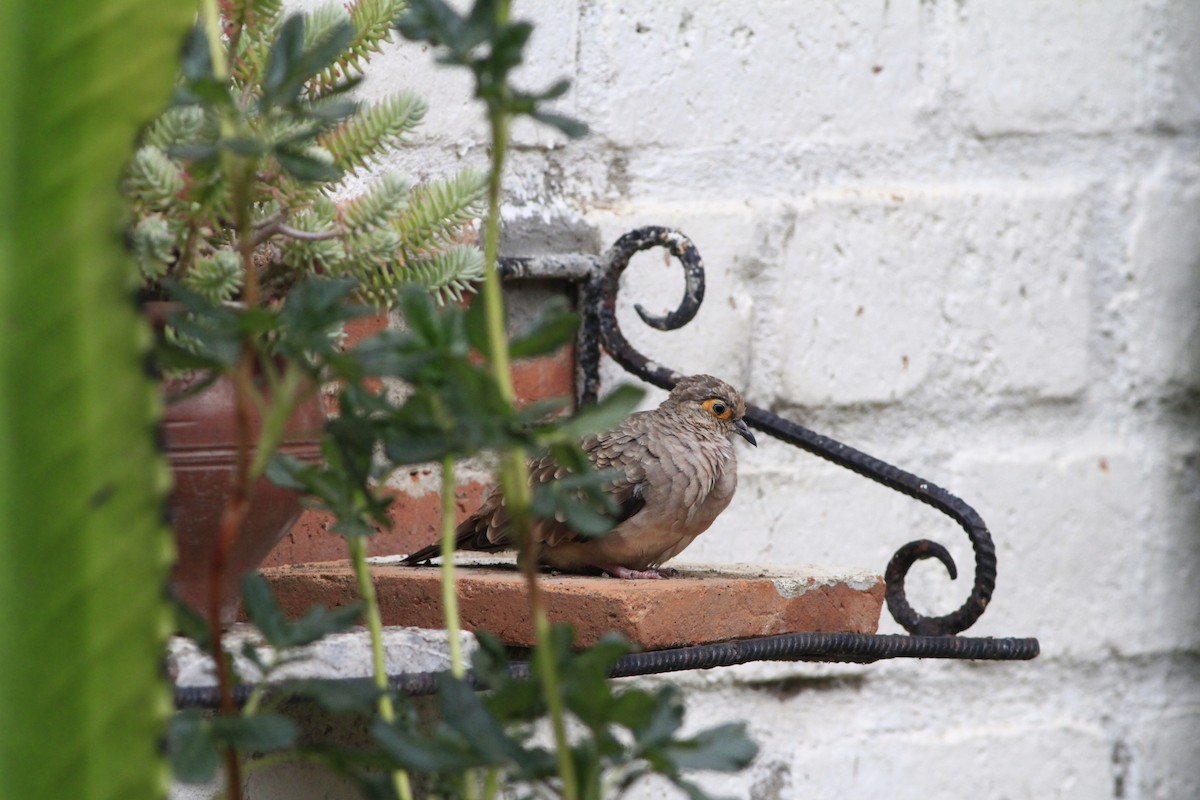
x: 471, y: 534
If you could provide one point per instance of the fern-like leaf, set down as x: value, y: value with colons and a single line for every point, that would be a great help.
x: 153, y: 245
x: 323, y: 256
x: 254, y: 47
x: 254, y: 12
x: 376, y: 127
x: 175, y: 126
x: 322, y: 21
x: 446, y: 275
x: 372, y: 20
x: 367, y: 252
x: 153, y: 179
x: 377, y: 206
x: 217, y: 277
x: 437, y: 211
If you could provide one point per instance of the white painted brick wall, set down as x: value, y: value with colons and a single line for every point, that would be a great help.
x: 964, y: 237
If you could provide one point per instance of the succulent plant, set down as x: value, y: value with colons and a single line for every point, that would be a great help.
x: 275, y: 105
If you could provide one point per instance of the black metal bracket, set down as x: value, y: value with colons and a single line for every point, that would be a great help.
x: 598, y: 279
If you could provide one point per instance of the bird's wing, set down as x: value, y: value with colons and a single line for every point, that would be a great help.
x: 622, y: 449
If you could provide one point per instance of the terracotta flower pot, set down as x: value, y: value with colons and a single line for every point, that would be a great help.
x: 200, y: 433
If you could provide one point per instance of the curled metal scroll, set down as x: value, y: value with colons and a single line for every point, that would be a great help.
x: 607, y: 285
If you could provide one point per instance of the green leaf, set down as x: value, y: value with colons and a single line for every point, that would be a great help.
x: 84, y: 621
x: 244, y: 146
x: 585, y: 681
x: 692, y: 791
x: 265, y: 613
x: 664, y: 721
x: 375, y: 128
x: 320, y: 621
x: 191, y: 624
x: 279, y: 79
x: 489, y: 662
x: 603, y: 415
x: 196, y: 60
x: 303, y: 165
x: 263, y: 610
x: 191, y: 747
x: 464, y: 712
x: 260, y: 733
x: 419, y: 753
x: 153, y: 179
x: 194, y: 151
x: 554, y: 326
x: 634, y: 708
x: 587, y: 512
x: 434, y: 21
x: 476, y: 326
x: 570, y: 126
x: 448, y: 274
x: 725, y: 748
x: 338, y: 696
x: 285, y: 471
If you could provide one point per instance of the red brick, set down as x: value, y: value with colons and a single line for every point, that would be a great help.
x: 416, y: 521
x: 545, y: 377
x: 703, y: 604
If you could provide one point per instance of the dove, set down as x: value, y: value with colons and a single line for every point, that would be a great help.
x: 677, y: 471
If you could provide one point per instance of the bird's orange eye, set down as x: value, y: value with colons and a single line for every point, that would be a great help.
x: 718, y: 408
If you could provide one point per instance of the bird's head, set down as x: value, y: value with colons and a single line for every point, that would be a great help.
x: 711, y: 403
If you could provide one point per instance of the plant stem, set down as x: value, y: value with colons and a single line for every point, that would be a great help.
x: 235, y: 512
x: 366, y: 589
x: 450, y: 600
x: 514, y: 472
x: 491, y: 783
x: 449, y: 587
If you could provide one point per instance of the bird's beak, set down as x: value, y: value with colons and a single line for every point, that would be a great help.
x: 743, y: 430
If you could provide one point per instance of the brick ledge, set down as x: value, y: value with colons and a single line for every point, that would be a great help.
x: 706, y: 603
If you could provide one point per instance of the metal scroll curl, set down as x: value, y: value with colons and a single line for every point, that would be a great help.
x: 605, y: 287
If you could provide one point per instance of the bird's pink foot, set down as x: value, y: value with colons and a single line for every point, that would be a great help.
x: 639, y: 574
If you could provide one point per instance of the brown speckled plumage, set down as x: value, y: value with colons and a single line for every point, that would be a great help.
x: 680, y: 472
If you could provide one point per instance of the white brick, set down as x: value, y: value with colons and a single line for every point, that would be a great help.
x: 695, y: 73
x: 1163, y: 294
x: 891, y: 287
x: 900, y: 739
x: 811, y: 513
x: 455, y: 117
x: 1176, y: 61
x: 1032, y: 66
x: 992, y: 762
x: 1166, y: 754
x: 1167, y: 569
x: 1065, y: 518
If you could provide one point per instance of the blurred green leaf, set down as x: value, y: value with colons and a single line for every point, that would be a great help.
x: 554, y: 326
x: 304, y: 167
x: 260, y: 733
x: 191, y: 747
x: 191, y: 623
x: 665, y: 720
x: 264, y: 611
x: 570, y: 126
x: 603, y: 415
x: 338, y: 696
x: 725, y: 748
x: 420, y: 753
x: 578, y: 500
x: 464, y: 712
